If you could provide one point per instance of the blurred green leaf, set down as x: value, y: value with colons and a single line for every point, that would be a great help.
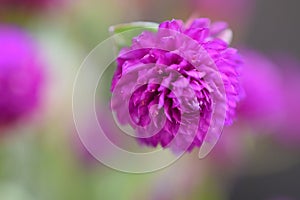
x: 123, y: 33
x: 152, y: 26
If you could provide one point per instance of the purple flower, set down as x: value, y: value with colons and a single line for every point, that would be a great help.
x: 21, y: 75
x: 168, y: 79
x: 262, y: 82
x: 260, y: 112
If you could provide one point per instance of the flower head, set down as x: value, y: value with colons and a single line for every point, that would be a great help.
x: 262, y: 83
x: 174, y: 78
x: 21, y: 75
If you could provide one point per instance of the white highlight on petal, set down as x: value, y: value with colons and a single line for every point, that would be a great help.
x: 226, y: 36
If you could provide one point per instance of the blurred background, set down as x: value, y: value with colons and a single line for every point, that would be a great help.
x: 44, y: 42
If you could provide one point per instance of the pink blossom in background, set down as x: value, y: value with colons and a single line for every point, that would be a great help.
x: 261, y: 111
x: 21, y: 75
x: 271, y: 105
x: 263, y: 105
x: 193, y: 78
x: 272, y: 95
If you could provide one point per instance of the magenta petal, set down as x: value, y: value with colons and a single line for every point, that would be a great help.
x: 175, y: 25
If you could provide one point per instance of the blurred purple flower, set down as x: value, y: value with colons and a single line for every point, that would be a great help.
x: 21, y: 75
x: 270, y: 106
x: 262, y: 82
x: 169, y: 52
